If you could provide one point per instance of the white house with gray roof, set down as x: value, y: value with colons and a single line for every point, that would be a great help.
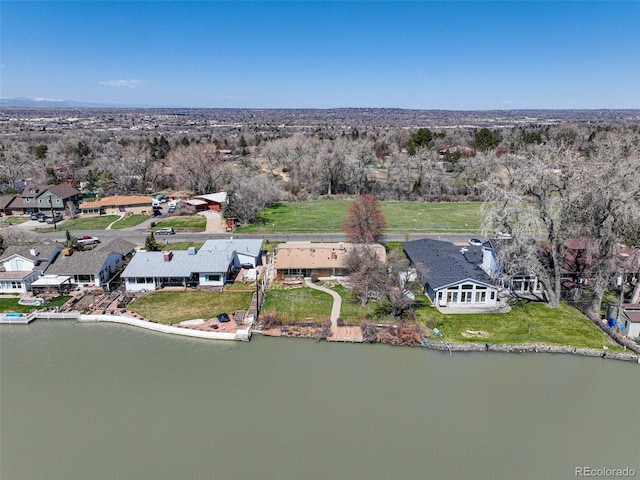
x: 451, y: 275
x: 20, y: 266
x: 92, y: 267
x: 213, y: 265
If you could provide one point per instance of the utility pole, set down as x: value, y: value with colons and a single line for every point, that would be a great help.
x: 53, y: 217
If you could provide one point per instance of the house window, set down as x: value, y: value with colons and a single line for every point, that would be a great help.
x: 439, y: 295
x: 481, y: 297
x: 40, y: 201
x: 213, y: 278
x: 454, y: 297
x: 467, y: 287
x: 58, y: 201
x: 493, y: 295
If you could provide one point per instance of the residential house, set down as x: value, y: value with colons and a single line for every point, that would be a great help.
x: 92, y: 267
x: 214, y: 201
x: 5, y: 204
x: 46, y: 199
x: 56, y: 198
x: 304, y: 259
x: 23, y: 265
x: 130, y: 204
x: 522, y: 284
x: 627, y: 318
x: 213, y: 265
x: 451, y: 275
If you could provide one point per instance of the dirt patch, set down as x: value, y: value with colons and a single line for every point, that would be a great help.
x: 474, y: 334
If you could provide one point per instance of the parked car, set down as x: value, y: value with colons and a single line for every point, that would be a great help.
x: 476, y: 242
x: 54, y: 219
x: 165, y: 231
x: 223, y: 318
x: 36, y: 216
x: 88, y: 240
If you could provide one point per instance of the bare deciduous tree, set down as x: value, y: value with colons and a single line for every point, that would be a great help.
x: 558, y: 195
x: 365, y: 222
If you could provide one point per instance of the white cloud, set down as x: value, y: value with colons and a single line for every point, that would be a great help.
x: 123, y: 83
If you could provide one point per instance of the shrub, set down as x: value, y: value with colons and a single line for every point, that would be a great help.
x: 270, y: 319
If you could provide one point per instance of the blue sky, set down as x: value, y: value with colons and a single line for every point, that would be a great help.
x: 302, y: 54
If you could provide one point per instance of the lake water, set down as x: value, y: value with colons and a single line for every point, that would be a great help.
x: 99, y: 401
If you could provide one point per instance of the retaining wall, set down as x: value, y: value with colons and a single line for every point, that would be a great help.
x: 124, y: 319
x: 534, y: 348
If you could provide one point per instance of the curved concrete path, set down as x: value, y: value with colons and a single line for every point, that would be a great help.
x: 337, y: 302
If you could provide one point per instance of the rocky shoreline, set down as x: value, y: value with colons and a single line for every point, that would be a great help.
x: 534, y: 348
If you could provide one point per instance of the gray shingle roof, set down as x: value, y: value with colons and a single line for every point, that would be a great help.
x: 45, y: 249
x: 86, y: 262
x: 246, y: 246
x: 117, y: 245
x: 214, y: 256
x: 445, y: 263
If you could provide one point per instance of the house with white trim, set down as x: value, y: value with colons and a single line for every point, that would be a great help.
x: 451, y: 275
x: 23, y: 265
x: 93, y: 267
x: 213, y: 265
x: 522, y: 284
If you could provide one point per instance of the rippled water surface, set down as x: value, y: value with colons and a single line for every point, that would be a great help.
x: 98, y: 401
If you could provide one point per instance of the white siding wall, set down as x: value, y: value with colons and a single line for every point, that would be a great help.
x: 634, y: 330
x: 18, y: 264
x: 207, y: 279
x: 131, y: 285
x: 245, y: 259
x: 469, y: 297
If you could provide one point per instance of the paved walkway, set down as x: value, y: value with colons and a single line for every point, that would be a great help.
x: 337, y: 302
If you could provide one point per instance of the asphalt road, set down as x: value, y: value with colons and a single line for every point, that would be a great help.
x: 137, y: 236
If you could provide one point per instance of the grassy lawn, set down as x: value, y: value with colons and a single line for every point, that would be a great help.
x: 13, y: 220
x: 181, y: 245
x: 351, y: 311
x: 298, y: 304
x: 83, y: 223
x: 195, y: 223
x: 12, y: 305
x: 402, y: 217
x: 555, y: 326
x: 172, y: 307
x: 130, y: 221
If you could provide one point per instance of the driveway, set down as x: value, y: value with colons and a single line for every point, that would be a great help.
x: 215, y: 223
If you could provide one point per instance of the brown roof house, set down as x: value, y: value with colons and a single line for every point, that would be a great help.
x: 133, y: 204
x: 48, y: 198
x: 303, y: 259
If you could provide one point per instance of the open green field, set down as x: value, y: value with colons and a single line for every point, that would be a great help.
x: 195, y: 223
x: 83, y: 223
x: 130, y: 221
x: 172, y: 307
x: 299, y: 304
x: 402, y: 217
x: 12, y: 305
x: 554, y: 326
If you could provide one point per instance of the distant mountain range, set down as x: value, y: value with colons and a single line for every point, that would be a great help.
x: 45, y: 102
